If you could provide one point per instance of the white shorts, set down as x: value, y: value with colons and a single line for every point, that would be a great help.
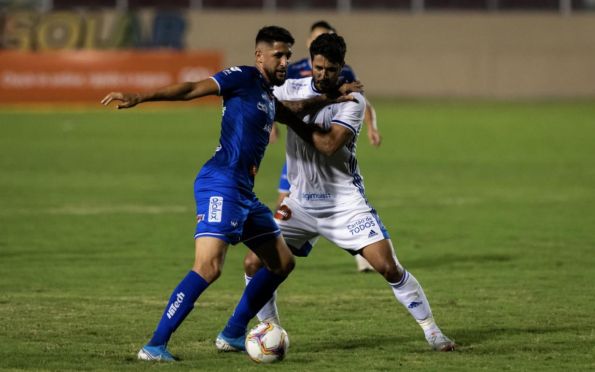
x: 351, y: 227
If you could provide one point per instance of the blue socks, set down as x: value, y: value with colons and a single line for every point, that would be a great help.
x: 179, y: 306
x: 256, y: 294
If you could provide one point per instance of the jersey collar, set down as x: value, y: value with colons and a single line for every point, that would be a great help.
x: 314, y: 87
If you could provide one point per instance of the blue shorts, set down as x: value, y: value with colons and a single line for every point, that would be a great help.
x: 233, y: 217
x: 283, y: 183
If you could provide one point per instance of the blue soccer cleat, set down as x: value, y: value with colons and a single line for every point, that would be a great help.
x: 224, y: 343
x: 156, y: 353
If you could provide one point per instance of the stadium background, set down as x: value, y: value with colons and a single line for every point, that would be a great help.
x: 485, y: 180
x: 491, y: 49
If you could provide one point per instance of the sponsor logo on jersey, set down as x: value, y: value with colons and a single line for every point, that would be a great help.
x: 361, y: 225
x: 315, y: 196
x: 215, y: 208
x: 283, y: 213
x: 199, y: 217
x: 262, y: 107
x: 176, y: 305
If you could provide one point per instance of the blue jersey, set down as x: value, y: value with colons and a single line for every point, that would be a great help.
x: 226, y: 207
x: 303, y: 68
x: 248, y: 114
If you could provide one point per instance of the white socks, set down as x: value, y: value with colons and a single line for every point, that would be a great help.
x: 269, y: 310
x: 410, y: 294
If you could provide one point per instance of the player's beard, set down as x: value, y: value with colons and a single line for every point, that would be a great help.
x: 277, y: 76
x: 324, y: 85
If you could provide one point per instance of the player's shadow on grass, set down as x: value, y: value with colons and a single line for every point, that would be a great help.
x: 458, y: 260
x: 476, y: 338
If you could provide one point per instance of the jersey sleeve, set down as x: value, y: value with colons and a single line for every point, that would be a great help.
x: 231, y: 80
x: 351, y: 114
x: 281, y: 92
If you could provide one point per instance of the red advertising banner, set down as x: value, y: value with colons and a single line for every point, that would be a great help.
x: 87, y: 76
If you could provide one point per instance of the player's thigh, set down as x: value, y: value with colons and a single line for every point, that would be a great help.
x: 381, y: 255
x: 297, y: 226
x: 275, y: 255
x: 352, y: 227
x: 209, y: 257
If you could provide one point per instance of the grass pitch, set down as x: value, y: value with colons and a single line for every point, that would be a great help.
x: 490, y: 205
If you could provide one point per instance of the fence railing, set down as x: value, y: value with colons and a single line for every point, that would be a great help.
x: 564, y: 7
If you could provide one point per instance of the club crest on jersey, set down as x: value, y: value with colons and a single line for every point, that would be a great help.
x: 215, y: 208
x: 283, y: 213
x: 361, y: 225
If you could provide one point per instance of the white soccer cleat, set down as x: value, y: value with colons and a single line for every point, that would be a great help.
x: 226, y: 344
x: 439, y: 342
x: 363, y: 266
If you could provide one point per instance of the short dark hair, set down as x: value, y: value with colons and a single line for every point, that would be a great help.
x: 330, y: 46
x: 270, y: 34
x: 322, y: 24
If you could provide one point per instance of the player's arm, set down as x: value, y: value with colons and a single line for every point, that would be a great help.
x: 326, y: 142
x: 330, y: 142
x: 176, y: 92
x: 371, y: 126
x: 314, y: 104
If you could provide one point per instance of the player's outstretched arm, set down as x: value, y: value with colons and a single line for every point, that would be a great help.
x: 177, y: 92
x: 371, y: 126
x: 342, y: 93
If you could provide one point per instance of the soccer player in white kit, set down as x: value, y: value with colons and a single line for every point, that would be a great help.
x: 327, y: 192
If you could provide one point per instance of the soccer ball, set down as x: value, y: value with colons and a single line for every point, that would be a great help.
x: 267, y: 343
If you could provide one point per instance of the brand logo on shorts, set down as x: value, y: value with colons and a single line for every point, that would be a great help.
x: 372, y: 234
x: 283, y: 213
x: 362, y: 225
x: 215, y: 208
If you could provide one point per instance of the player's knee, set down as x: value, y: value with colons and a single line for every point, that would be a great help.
x: 210, y: 271
x: 251, y: 264
x: 390, y: 271
x: 286, y: 267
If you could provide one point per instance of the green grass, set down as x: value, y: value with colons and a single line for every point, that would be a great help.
x: 490, y: 205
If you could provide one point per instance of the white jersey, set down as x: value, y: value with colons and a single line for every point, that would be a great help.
x: 318, y: 180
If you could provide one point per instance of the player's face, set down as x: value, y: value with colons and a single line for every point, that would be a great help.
x: 325, y: 73
x: 272, y: 60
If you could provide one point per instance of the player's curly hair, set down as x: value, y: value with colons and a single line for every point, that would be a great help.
x: 330, y: 46
x: 270, y: 34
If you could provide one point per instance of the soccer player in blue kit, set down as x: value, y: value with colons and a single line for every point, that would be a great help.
x: 228, y: 211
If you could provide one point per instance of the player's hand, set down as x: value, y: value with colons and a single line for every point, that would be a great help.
x: 344, y: 98
x: 374, y: 137
x: 352, y: 87
x: 128, y: 99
